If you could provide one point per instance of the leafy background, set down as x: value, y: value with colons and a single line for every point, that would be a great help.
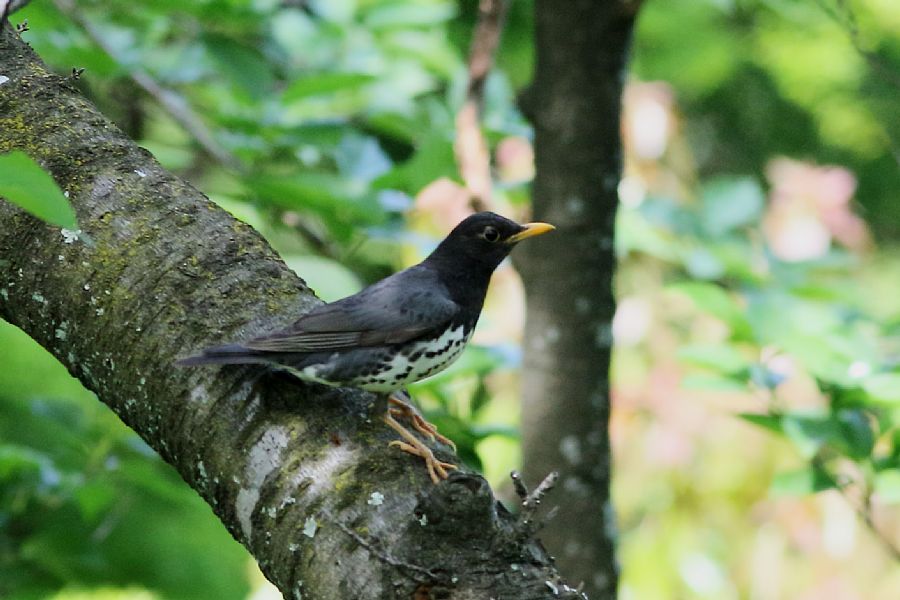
x: 756, y: 380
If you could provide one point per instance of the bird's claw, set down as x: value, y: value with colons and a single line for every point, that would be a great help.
x: 401, y: 408
x: 437, y: 469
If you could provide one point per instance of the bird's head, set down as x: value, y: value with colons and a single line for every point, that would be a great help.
x: 485, y: 239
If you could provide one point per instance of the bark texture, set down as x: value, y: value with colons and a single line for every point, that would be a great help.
x: 299, y: 474
x: 574, y: 104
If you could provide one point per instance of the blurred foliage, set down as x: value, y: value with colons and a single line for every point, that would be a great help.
x: 759, y: 283
x: 752, y: 283
x: 84, y: 503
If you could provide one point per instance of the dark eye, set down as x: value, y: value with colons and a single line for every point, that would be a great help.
x: 491, y: 234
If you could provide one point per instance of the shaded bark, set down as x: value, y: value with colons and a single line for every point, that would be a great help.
x: 574, y: 105
x: 299, y: 474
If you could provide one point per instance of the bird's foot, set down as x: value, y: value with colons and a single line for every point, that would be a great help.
x: 437, y: 469
x: 401, y: 408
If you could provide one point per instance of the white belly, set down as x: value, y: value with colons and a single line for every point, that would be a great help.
x: 418, y: 361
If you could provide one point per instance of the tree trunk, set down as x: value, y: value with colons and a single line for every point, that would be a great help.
x: 299, y: 474
x: 574, y: 104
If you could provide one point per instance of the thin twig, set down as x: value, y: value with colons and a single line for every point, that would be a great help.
x: 471, y: 148
x: 174, y: 104
x: 9, y: 7
x: 531, y: 503
x: 843, y: 14
x: 863, y: 512
x: 875, y: 61
x: 519, y: 485
x: 316, y: 242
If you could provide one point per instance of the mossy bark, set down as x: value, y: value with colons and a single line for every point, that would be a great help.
x: 574, y: 104
x: 300, y: 474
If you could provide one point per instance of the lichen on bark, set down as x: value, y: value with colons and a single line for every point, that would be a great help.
x: 157, y: 271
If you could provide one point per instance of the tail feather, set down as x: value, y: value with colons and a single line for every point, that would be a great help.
x: 229, y: 354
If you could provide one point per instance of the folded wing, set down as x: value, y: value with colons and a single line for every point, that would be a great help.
x: 402, y: 307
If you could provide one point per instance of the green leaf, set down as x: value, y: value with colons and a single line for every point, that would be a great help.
x: 25, y: 183
x: 343, y: 204
x: 328, y: 278
x: 848, y: 432
x: 770, y: 422
x: 94, y: 499
x: 800, y: 482
x: 713, y: 299
x: 883, y: 387
x: 730, y: 203
x: 719, y: 357
x: 406, y: 14
x: 809, y: 434
x: 635, y: 234
x: 887, y: 486
x: 857, y: 440
x: 434, y: 158
x: 244, y: 66
x: 325, y: 83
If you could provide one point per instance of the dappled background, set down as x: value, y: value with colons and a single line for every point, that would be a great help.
x: 756, y: 389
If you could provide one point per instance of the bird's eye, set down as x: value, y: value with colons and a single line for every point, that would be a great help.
x: 491, y: 234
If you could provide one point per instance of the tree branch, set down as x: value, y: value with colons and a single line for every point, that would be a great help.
x: 863, y: 509
x: 472, y: 154
x: 9, y: 7
x: 160, y: 271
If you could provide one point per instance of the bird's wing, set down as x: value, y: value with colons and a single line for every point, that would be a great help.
x: 394, y: 310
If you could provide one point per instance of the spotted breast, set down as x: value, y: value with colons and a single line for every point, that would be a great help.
x: 416, y: 360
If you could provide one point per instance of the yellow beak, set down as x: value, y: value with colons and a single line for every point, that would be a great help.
x: 531, y: 230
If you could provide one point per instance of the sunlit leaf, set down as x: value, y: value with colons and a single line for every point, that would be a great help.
x: 887, y: 486
x: 325, y: 83
x: 360, y: 157
x: 400, y: 14
x: 329, y: 279
x: 715, y: 300
x: 800, y: 482
x: 883, y: 387
x: 719, y: 357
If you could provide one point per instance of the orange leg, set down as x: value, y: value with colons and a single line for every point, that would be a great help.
x: 437, y: 469
x: 401, y: 408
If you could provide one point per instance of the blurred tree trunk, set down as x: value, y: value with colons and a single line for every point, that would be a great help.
x: 299, y: 474
x: 574, y: 104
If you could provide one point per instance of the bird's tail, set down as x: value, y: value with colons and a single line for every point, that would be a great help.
x: 229, y: 354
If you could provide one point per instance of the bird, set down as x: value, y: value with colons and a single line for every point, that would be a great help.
x: 397, y: 331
